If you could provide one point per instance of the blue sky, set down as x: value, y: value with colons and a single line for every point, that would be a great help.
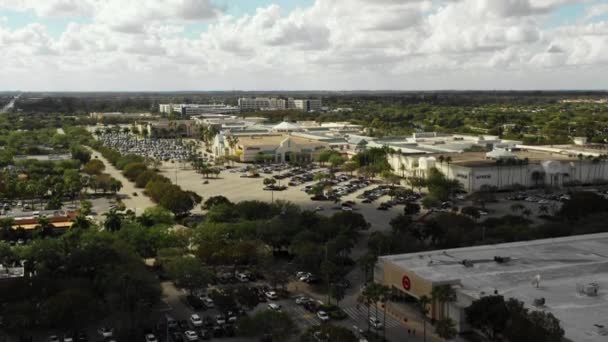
x: 308, y: 44
x: 56, y: 25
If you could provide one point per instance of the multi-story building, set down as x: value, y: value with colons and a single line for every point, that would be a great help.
x: 308, y: 105
x: 265, y: 103
x: 198, y: 109
x: 247, y: 104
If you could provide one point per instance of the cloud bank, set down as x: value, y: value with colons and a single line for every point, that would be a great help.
x: 332, y: 44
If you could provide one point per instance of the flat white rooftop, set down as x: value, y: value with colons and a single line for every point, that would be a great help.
x: 562, y: 263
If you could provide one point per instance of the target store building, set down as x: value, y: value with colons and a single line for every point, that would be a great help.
x: 566, y: 276
x: 408, y: 281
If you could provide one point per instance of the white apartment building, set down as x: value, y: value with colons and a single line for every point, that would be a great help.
x: 308, y: 105
x: 254, y: 103
x: 274, y: 103
x: 198, y: 109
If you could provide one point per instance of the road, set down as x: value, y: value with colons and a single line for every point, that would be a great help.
x: 10, y: 105
x: 136, y: 203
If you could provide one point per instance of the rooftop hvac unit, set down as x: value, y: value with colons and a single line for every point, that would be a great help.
x: 536, y: 281
x: 502, y: 260
x: 539, y: 301
x: 589, y: 289
x: 467, y: 263
x: 601, y: 329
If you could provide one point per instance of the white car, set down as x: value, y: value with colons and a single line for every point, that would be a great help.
x: 319, y: 208
x: 53, y: 338
x: 375, y: 322
x: 220, y: 320
x: 68, y: 339
x: 346, y: 208
x: 196, y: 320
x: 274, y: 307
x: 151, y: 338
x: 105, y: 332
x: 323, y: 316
x: 301, y: 300
x: 271, y: 295
x: 191, y: 335
x: 208, y: 302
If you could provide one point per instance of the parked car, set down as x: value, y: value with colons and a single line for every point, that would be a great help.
x: 301, y: 300
x: 204, y: 334
x: 220, y: 319
x: 375, y: 322
x: 53, y: 338
x: 208, y: 302
x: 196, y: 320
x: 151, y: 338
x: 105, y: 332
x: 271, y: 295
x: 274, y: 307
x: 191, y: 335
x: 323, y: 316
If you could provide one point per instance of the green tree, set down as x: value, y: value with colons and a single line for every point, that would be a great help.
x: 446, y: 328
x: 113, y: 221
x: 81, y: 154
x: 328, y: 332
x: 276, y: 325
x: 188, y: 273
x: 423, y: 306
x: 94, y: 167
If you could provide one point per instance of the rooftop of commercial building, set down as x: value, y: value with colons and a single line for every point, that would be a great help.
x: 275, y: 139
x: 564, y: 266
x: 479, y: 159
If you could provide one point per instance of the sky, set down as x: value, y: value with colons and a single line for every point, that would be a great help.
x: 173, y: 45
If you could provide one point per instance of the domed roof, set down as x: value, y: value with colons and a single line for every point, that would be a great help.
x: 287, y: 127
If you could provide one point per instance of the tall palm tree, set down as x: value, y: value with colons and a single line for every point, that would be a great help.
x: 45, y: 226
x: 580, y: 166
x: 81, y: 222
x: 384, y: 294
x: 423, y: 307
x: 113, y: 221
x: 448, y: 160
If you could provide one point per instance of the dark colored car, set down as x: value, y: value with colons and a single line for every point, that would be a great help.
x: 218, y: 331
x: 204, y: 334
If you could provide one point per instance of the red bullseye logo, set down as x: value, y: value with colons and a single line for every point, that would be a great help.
x: 407, y: 284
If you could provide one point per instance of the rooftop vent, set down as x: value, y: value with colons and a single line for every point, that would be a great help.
x: 539, y: 301
x: 589, y: 289
x: 502, y: 260
x: 536, y: 281
x: 467, y: 263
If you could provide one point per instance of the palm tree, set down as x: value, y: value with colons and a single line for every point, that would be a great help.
x: 81, y: 222
x: 45, y: 226
x: 448, y: 160
x: 444, y: 294
x: 113, y: 220
x: 499, y: 163
x: 367, y: 263
x: 365, y: 299
x: 517, y: 207
x: 402, y: 169
x: 423, y: 303
x: 580, y: 166
x: 446, y: 328
x: 384, y: 294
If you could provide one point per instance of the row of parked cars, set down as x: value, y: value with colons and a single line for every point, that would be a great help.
x: 199, y: 327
